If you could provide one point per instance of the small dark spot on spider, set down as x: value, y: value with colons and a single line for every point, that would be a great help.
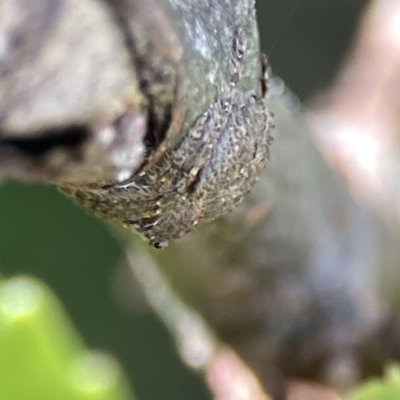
x: 160, y: 245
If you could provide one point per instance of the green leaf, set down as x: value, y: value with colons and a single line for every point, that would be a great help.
x: 41, y: 354
x: 386, y: 389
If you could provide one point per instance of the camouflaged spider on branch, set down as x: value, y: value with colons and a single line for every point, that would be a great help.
x: 206, y: 174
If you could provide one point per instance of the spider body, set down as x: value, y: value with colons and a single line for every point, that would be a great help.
x: 206, y: 174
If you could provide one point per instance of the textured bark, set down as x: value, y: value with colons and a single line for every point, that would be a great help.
x: 77, y: 100
x: 66, y: 78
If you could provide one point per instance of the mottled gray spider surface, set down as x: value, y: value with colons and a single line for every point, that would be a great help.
x: 206, y: 174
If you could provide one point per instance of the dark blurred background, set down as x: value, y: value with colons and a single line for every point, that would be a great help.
x: 45, y: 235
x: 306, y: 40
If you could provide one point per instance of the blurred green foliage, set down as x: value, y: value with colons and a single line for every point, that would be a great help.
x: 385, y: 389
x: 42, y: 357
